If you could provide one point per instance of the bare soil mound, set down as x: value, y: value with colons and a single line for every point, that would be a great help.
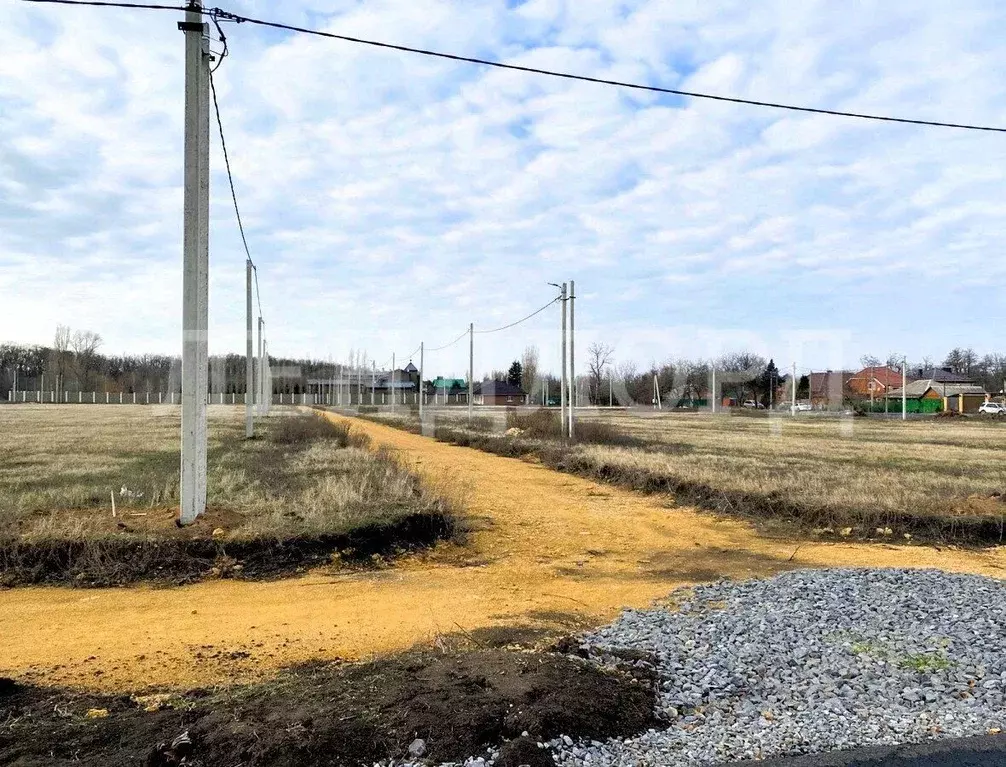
x: 184, y: 555
x: 459, y: 703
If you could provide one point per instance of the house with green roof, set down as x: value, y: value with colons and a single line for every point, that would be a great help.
x: 450, y: 390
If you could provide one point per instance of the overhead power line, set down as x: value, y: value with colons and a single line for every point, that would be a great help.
x: 522, y: 319
x: 258, y: 295
x: 412, y: 354
x: 106, y: 4
x: 219, y: 13
x: 445, y: 346
x: 598, y: 80
x: 234, y: 197
x: 227, y: 165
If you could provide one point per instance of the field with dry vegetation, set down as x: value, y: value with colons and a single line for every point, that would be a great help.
x: 933, y: 479
x: 303, y: 488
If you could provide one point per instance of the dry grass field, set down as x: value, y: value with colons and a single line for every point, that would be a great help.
x: 879, y: 468
x: 304, y: 481
x: 932, y: 479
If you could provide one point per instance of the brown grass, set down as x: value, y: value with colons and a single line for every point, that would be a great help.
x: 307, y: 484
x: 932, y: 479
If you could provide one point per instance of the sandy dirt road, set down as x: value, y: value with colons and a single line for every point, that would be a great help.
x: 548, y: 549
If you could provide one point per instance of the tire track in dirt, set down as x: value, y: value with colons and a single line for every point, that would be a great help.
x: 549, y: 550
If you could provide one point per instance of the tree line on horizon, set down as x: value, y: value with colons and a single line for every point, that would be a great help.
x: 74, y: 362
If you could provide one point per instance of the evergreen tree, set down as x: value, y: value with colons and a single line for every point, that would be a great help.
x: 514, y: 374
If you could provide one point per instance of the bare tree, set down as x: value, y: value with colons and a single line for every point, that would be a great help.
x: 529, y: 370
x: 869, y: 361
x: 59, y: 357
x: 599, y: 357
x: 85, y: 345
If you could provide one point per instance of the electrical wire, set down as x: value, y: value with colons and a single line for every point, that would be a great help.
x: 522, y: 319
x: 223, y: 54
x: 227, y: 165
x: 230, y: 180
x: 106, y: 4
x: 219, y: 13
x: 597, y: 80
x: 445, y: 346
x: 413, y: 354
x: 258, y: 294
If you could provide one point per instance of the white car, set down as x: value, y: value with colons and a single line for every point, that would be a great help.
x: 993, y: 408
x: 801, y: 407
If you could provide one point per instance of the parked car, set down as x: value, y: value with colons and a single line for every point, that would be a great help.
x: 752, y: 404
x: 801, y: 407
x: 993, y: 408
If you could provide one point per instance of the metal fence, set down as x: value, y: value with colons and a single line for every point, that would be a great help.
x: 915, y: 406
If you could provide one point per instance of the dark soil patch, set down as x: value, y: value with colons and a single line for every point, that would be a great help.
x: 459, y: 703
x: 524, y: 751
x: 194, y: 554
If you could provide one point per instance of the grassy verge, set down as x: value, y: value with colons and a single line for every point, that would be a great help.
x: 459, y: 700
x: 873, y: 480
x: 302, y: 490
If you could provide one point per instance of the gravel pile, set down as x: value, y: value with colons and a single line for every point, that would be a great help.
x: 813, y: 660
x: 808, y: 661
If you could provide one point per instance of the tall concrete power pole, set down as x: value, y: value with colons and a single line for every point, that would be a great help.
x: 260, y: 389
x: 793, y: 403
x: 471, y: 369
x: 422, y: 353
x: 195, y: 267
x: 904, y: 383
x: 249, y: 352
x: 563, y: 393
x: 572, y: 354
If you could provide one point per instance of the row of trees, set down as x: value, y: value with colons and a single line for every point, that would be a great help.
x: 74, y: 362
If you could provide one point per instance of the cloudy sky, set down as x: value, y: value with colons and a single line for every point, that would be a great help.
x: 391, y: 199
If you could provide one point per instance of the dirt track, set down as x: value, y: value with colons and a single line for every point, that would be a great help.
x: 550, y: 549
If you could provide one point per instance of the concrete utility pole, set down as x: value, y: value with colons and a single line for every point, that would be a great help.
x: 249, y: 353
x: 562, y: 383
x: 713, y: 395
x: 471, y: 370
x: 572, y: 354
x: 195, y: 286
x: 260, y: 388
x: 792, y: 409
x: 267, y: 383
x: 422, y: 352
x: 393, y: 371
x: 373, y: 381
x: 338, y: 389
x: 904, y: 383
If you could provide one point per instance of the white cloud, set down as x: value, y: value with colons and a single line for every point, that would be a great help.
x: 391, y: 199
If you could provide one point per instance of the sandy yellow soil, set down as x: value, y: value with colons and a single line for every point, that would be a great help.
x: 548, y: 549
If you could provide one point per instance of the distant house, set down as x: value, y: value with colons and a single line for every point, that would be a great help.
x: 365, y: 387
x: 874, y: 381
x: 828, y: 388
x: 943, y: 376
x: 498, y: 393
x: 960, y: 397
x: 448, y: 390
